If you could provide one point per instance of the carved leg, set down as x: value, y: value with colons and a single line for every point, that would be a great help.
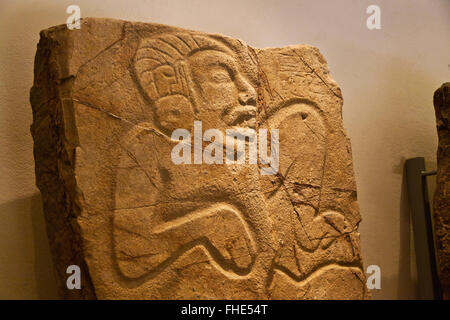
x: 219, y: 228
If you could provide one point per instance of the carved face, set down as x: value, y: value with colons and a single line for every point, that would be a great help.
x: 222, y: 95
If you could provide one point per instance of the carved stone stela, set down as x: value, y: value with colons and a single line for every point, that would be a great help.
x: 441, y: 203
x: 106, y: 99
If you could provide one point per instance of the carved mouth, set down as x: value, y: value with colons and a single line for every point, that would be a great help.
x: 243, y: 116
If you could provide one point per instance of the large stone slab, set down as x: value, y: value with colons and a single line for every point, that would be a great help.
x: 441, y: 205
x: 106, y: 100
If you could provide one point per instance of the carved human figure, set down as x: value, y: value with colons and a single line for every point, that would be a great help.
x: 159, y: 203
x: 178, y: 207
x: 143, y: 223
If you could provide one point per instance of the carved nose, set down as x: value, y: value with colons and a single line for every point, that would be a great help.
x: 248, y: 97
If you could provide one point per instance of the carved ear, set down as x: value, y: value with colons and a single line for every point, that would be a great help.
x: 186, y: 85
x: 174, y: 112
x: 143, y: 68
x: 182, y: 86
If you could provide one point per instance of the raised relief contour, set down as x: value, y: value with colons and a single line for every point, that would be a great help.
x: 222, y: 223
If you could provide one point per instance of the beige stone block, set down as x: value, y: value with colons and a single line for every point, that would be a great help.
x: 106, y: 99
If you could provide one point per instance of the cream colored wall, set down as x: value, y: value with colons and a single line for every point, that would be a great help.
x: 387, y: 76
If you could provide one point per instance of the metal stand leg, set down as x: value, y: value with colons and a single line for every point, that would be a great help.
x: 428, y: 282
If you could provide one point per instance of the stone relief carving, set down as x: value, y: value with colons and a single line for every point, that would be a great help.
x: 210, y: 230
x: 441, y: 211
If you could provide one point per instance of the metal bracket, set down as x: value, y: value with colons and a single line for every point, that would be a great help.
x: 428, y: 281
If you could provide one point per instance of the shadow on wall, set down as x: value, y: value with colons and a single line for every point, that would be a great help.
x: 397, y: 121
x: 407, y: 277
x: 405, y: 284
x: 26, y: 270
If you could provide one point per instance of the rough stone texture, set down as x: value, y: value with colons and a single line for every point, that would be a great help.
x: 441, y: 206
x: 105, y: 100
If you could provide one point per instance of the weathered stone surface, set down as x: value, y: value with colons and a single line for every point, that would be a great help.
x: 441, y: 205
x: 106, y: 99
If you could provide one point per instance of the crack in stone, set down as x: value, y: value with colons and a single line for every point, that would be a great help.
x: 314, y: 72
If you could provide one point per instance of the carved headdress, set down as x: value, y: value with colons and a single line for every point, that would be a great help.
x: 162, y: 72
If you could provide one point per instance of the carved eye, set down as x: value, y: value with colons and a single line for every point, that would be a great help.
x: 168, y: 73
x: 221, y: 76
